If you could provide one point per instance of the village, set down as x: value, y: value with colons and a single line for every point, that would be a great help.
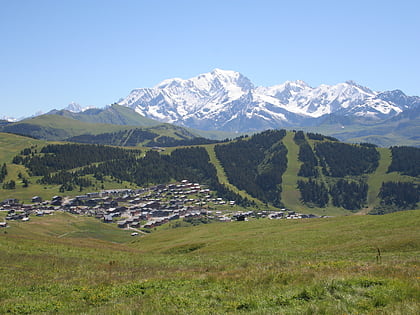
x: 141, y: 210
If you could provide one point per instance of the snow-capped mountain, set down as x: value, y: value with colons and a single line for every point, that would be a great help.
x: 227, y: 100
x: 77, y: 108
x: 8, y: 119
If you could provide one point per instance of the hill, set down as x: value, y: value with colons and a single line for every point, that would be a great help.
x: 66, y: 264
x: 55, y: 127
x: 68, y: 126
x: 113, y: 114
x: 309, y: 172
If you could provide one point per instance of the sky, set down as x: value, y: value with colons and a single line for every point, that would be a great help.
x: 94, y: 52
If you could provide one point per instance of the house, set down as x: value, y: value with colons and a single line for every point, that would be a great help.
x: 107, y: 218
x: 122, y: 224
x: 36, y: 199
x: 135, y: 224
x: 56, y: 201
x: 10, y: 202
x: 91, y: 203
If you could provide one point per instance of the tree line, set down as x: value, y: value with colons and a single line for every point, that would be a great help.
x: 69, y: 164
x: 405, y: 160
x: 256, y: 164
x: 341, y: 159
x: 306, y: 156
x: 56, y: 157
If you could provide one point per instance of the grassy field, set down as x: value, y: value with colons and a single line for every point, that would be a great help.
x: 65, y: 264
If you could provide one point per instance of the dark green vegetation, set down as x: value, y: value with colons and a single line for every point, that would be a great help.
x: 314, y: 193
x: 134, y: 137
x: 405, y: 160
x: 82, y: 166
x: 350, y: 163
x: 341, y: 159
x: 308, y: 173
x: 256, y: 164
x: 346, y: 265
x: 397, y: 195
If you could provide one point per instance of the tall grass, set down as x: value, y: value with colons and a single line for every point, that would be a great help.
x: 320, y: 266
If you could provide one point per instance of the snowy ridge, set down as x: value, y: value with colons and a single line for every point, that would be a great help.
x: 227, y: 100
x: 77, y: 108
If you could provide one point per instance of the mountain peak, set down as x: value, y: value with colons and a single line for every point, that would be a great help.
x: 74, y: 107
x: 227, y: 100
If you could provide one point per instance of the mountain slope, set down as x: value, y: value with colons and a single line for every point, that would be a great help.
x: 113, y: 114
x: 55, y: 127
x: 63, y: 127
x: 308, y: 173
x: 227, y: 100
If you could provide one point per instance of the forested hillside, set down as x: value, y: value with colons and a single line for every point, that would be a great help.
x: 256, y: 164
x: 329, y: 174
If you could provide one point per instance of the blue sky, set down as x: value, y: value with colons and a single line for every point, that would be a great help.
x: 95, y: 52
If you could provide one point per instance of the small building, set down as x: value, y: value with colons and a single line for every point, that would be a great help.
x: 36, y: 199
x: 122, y: 224
x: 107, y: 218
x: 10, y: 202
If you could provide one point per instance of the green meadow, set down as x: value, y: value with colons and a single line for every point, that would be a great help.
x: 67, y: 264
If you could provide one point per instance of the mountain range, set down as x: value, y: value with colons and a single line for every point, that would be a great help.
x: 223, y: 103
x: 229, y: 101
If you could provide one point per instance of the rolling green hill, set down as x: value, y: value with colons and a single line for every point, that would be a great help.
x: 54, y: 127
x: 356, y: 264
x: 400, y: 130
x: 346, y: 265
x: 308, y: 173
x: 113, y: 114
x: 67, y: 128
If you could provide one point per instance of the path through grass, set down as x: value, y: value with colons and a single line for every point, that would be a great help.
x: 290, y: 194
x: 221, y: 175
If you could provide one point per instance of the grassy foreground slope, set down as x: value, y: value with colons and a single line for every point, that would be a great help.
x: 317, y: 266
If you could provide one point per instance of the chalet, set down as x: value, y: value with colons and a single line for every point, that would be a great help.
x: 93, y: 195
x: 10, y: 202
x: 153, y: 205
x: 56, y: 200
x: 82, y: 197
x: 107, y: 218
x: 160, y: 213
x: 110, y: 204
x: 91, y: 202
x: 36, y: 199
x: 240, y: 217
x: 135, y: 224
x: 17, y: 216
x: 129, y: 221
x: 173, y: 217
x: 122, y: 224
